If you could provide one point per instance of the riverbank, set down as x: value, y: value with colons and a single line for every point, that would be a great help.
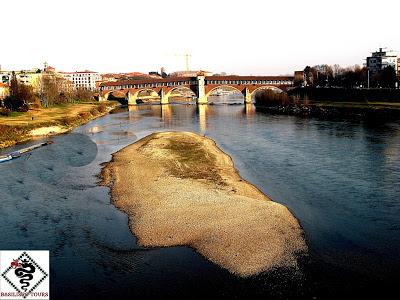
x: 338, y: 94
x: 180, y: 189
x: 49, y: 121
x: 378, y: 111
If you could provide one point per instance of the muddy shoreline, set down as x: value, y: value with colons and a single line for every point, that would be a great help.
x: 180, y: 189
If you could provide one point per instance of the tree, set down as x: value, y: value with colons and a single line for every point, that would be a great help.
x: 20, y: 95
x: 337, y: 69
x: 387, y: 77
x: 13, y: 85
x: 82, y: 94
x: 51, y: 89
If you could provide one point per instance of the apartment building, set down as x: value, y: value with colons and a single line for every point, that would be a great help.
x: 382, y: 59
x: 83, y: 79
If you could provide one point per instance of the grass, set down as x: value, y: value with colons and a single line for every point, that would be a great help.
x: 51, y: 115
x: 390, y: 105
x: 190, y: 159
x: 14, y: 128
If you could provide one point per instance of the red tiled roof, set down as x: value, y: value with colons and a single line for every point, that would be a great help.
x: 172, y: 79
x: 234, y: 77
x: 77, y: 72
x: 143, y: 81
x: 86, y: 71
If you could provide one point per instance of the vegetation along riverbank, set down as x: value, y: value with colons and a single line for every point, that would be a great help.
x: 339, y: 105
x: 180, y: 189
x: 18, y: 127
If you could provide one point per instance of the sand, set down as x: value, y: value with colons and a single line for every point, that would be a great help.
x: 43, y: 131
x: 179, y: 188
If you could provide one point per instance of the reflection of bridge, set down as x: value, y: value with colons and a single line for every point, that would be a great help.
x: 201, y: 86
x: 169, y: 113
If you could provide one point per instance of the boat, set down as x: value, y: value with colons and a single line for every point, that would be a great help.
x: 16, y: 154
x: 28, y: 149
x: 4, y: 158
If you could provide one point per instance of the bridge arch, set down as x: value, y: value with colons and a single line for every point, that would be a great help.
x: 105, y: 95
x: 168, y: 93
x: 238, y: 89
x: 132, y: 95
x: 223, y: 86
x: 267, y: 87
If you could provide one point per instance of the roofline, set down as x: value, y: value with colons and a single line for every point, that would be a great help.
x: 172, y: 79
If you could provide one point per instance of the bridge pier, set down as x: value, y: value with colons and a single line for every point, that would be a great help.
x: 131, y: 98
x: 201, y: 90
x: 203, y: 100
x: 164, y: 97
x: 103, y: 98
x: 247, y: 96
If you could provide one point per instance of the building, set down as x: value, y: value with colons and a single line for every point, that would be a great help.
x: 114, y: 77
x: 398, y: 66
x: 30, y: 78
x: 82, y: 80
x: 5, y: 77
x: 382, y: 59
x: 4, y: 90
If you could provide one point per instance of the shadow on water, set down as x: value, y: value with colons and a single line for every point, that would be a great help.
x: 339, y: 178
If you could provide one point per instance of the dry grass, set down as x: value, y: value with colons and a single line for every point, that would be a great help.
x: 190, y: 158
x: 178, y: 188
x: 16, y: 128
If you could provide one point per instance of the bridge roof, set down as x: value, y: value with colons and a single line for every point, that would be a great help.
x: 173, y: 79
x: 147, y: 80
x: 233, y: 77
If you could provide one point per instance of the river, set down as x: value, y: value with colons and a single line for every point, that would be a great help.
x: 340, y: 178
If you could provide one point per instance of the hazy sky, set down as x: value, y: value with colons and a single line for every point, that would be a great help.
x: 244, y: 37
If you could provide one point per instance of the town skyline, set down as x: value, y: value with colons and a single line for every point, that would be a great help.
x: 267, y: 37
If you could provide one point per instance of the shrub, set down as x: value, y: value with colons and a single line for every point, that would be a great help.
x: 23, y: 108
x: 271, y: 99
x: 102, y: 108
x: 5, y: 112
x: 94, y: 111
x: 36, y: 103
x: 83, y: 95
x: 84, y: 115
x: 68, y: 120
x: 13, y: 102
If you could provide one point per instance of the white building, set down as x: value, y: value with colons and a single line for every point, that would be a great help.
x: 84, y: 79
x: 382, y: 59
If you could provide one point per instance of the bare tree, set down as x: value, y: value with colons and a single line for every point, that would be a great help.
x: 51, y: 89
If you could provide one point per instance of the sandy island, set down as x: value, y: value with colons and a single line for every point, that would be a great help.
x: 179, y: 188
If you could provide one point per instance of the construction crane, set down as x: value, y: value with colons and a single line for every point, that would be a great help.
x: 187, y: 57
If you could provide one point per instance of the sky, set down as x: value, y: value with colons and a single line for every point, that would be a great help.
x: 248, y: 37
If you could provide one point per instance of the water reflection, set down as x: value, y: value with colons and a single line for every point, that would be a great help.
x: 166, y: 113
x: 249, y: 109
x: 202, y: 112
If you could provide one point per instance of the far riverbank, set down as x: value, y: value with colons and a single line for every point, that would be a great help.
x: 333, y: 110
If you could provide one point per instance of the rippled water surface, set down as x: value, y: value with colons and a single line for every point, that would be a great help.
x: 341, y: 179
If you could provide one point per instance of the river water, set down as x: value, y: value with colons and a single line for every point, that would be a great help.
x: 340, y: 178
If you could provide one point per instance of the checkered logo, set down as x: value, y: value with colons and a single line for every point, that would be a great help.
x: 24, y: 275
